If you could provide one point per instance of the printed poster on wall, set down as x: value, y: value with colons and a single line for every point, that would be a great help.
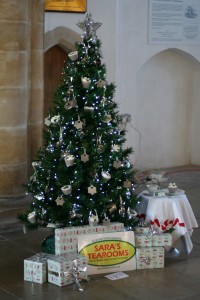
x: 174, y: 22
x: 108, y: 252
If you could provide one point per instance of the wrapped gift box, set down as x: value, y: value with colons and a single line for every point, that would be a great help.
x: 66, y: 239
x: 150, y: 258
x: 143, y: 240
x: 35, y: 268
x: 164, y: 239
x: 61, y: 268
x: 142, y: 229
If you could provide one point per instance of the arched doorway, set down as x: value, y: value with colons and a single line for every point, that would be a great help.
x: 167, y: 98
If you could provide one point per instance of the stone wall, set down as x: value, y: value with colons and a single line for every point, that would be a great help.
x: 21, y: 90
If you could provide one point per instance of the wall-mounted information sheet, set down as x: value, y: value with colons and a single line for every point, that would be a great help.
x: 174, y: 22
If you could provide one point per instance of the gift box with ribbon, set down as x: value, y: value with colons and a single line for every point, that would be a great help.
x: 67, y: 269
x: 35, y: 268
x: 145, y: 229
x: 66, y: 239
x: 143, y: 240
x: 164, y: 239
x: 150, y: 258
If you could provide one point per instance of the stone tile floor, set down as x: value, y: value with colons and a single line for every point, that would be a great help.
x: 179, y: 280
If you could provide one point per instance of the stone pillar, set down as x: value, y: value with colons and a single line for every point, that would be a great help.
x: 21, y: 80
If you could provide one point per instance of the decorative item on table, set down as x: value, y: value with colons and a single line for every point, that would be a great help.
x: 143, y: 240
x: 93, y: 218
x: 152, y: 189
x: 172, y: 187
x: 67, y: 269
x: 150, y: 258
x: 35, y: 268
x: 161, y: 240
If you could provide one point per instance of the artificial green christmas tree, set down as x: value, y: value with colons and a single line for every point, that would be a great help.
x: 82, y: 172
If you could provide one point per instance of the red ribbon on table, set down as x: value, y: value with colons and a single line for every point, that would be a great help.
x: 167, y: 223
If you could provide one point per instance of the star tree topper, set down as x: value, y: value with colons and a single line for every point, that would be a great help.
x: 89, y: 26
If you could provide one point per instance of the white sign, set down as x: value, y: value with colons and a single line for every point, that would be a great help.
x: 108, y: 252
x: 174, y: 22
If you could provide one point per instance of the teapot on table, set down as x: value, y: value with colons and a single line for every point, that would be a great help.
x: 152, y: 189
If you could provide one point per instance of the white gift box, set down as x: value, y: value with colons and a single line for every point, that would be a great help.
x: 143, y: 240
x: 164, y: 239
x: 35, y: 268
x: 142, y: 229
x: 150, y: 258
x: 66, y: 239
x: 60, y: 268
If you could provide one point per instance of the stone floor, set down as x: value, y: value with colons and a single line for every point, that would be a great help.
x: 178, y: 280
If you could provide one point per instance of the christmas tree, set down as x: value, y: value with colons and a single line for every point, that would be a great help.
x: 82, y: 173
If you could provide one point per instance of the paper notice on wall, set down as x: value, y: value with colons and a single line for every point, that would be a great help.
x: 108, y: 252
x: 174, y: 22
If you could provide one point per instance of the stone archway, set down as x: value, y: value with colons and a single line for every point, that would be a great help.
x: 168, y: 86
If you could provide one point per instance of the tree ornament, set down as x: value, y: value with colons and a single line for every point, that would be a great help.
x: 84, y: 156
x: 85, y: 82
x: 89, y: 26
x: 116, y: 148
x: 73, y: 55
x: 127, y: 184
x: 105, y: 175
x: 89, y: 108
x: 78, y: 124
x: 131, y: 213
x: 60, y: 201
x: 32, y: 217
x: 117, y: 163
x: 66, y: 189
x: 92, y: 190
x: 126, y: 163
x: 70, y: 104
x: 107, y: 118
x: 98, y: 62
x: 112, y: 208
x: 101, y: 83
x: 55, y: 119
x: 47, y: 121
x: 100, y: 147
x: 69, y: 160
x: 93, y: 218
x: 36, y: 164
x: 106, y: 220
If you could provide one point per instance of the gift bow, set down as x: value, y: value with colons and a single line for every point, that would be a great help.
x: 167, y: 223
x: 75, y: 273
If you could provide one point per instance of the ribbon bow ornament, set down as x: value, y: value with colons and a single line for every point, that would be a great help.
x: 76, y: 274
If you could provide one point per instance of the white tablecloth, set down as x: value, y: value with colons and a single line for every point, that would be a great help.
x: 165, y: 212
